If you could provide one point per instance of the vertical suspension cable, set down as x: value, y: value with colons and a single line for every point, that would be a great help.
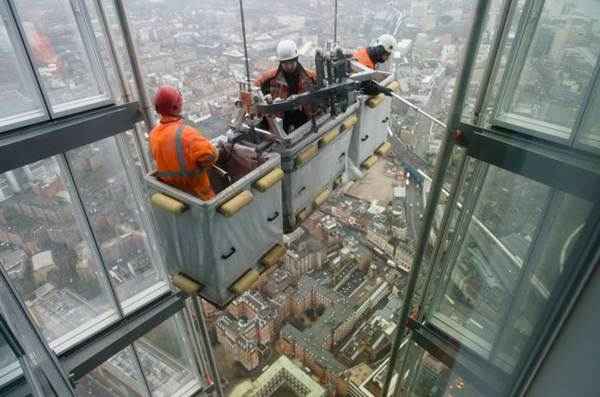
x: 245, y: 41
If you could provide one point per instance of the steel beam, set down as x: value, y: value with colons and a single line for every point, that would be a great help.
x: 562, y: 168
x: 30, y: 144
x: 88, y: 355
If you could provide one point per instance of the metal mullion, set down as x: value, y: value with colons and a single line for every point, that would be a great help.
x: 444, y: 227
x: 182, y: 331
x: 442, y: 162
x: 527, y: 269
x: 136, y: 68
x: 145, y: 214
x: 27, y: 47
x: 140, y: 369
x: 92, y: 47
x: 198, y: 357
x: 85, y: 225
x: 586, y: 103
x: 125, y: 90
x: 495, y: 57
x: 462, y: 228
x: 516, y: 56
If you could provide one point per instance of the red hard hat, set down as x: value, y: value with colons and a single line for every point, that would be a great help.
x: 168, y: 101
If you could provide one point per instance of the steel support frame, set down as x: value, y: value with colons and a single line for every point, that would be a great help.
x: 30, y: 144
x: 88, y: 355
x: 41, y: 368
x: 437, y: 184
x: 563, y: 168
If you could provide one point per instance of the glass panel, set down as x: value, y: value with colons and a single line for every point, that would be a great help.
x: 429, y: 377
x: 120, y: 376
x: 64, y: 54
x: 590, y: 129
x: 20, y: 100
x: 557, y: 69
x: 116, y: 216
x: 490, y: 260
x: 563, y: 224
x: 9, y: 365
x: 48, y: 260
x: 166, y: 357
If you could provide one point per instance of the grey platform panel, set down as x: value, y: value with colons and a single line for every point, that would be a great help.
x: 312, y: 165
x: 215, y: 249
x: 371, y: 132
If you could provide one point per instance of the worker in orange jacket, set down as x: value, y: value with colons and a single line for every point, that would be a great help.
x: 288, y: 79
x: 378, y: 53
x: 181, y: 153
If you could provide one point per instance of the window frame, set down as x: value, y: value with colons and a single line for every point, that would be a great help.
x: 519, y: 54
x: 104, y: 98
x: 26, y: 71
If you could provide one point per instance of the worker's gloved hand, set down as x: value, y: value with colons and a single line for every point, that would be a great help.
x: 371, y: 88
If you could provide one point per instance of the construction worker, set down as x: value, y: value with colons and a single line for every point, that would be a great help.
x: 377, y: 53
x: 288, y: 79
x: 181, y: 153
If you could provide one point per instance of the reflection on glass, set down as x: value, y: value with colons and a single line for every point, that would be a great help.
x: 20, y: 101
x: 47, y: 260
x: 558, y: 67
x: 490, y: 260
x: 9, y: 366
x: 429, y: 377
x: 61, y: 50
x: 562, y: 227
x: 118, y: 377
x: 590, y: 129
x: 112, y: 208
x: 165, y: 354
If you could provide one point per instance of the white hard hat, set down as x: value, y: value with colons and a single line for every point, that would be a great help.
x: 387, y: 41
x: 287, y: 50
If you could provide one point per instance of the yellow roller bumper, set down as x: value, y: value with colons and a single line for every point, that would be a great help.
x: 273, y: 256
x: 349, y: 123
x: 167, y: 203
x: 245, y: 283
x: 306, y: 155
x: 375, y: 101
x: 384, y: 149
x: 267, y: 181
x: 370, y: 162
x: 234, y: 205
x: 329, y: 137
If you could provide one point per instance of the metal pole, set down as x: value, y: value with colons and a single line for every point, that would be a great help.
x: 243, y: 20
x: 207, y: 347
x: 454, y: 120
x: 418, y: 109
x: 135, y: 65
x: 335, y: 23
x: 508, y: 9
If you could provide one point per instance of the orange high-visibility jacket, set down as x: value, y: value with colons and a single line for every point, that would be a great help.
x: 273, y: 82
x: 180, y: 152
x: 362, y: 56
